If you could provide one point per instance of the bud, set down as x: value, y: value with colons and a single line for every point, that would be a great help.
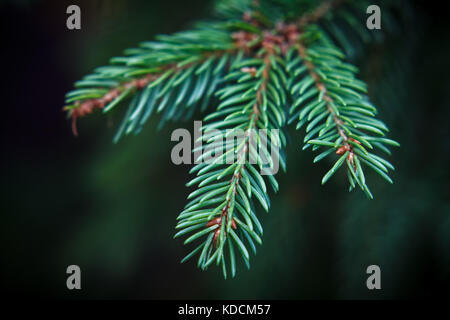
x: 342, y: 150
x: 252, y: 70
x: 233, y: 224
x: 213, y: 222
x: 216, y: 235
x: 355, y: 141
x: 350, y: 157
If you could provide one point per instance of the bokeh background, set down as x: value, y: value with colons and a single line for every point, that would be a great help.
x: 111, y: 209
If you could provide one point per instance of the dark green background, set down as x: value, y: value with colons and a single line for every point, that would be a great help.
x: 111, y: 209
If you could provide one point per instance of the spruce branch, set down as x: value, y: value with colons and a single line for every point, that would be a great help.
x: 340, y: 119
x: 157, y: 73
x: 257, y: 64
x: 227, y: 217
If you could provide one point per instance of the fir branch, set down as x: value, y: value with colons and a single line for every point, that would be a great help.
x: 82, y: 108
x: 339, y: 118
x: 324, y: 97
x: 228, y: 207
x: 170, y: 64
x: 261, y: 63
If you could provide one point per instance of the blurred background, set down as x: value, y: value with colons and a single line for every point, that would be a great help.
x: 111, y: 209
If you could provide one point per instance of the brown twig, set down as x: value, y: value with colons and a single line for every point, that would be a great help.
x: 88, y: 106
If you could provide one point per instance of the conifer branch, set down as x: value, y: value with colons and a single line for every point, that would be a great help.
x: 144, y: 71
x: 231, y: 219
x: 258, y: 63
x: 325, y: 97
x: 329, y: 94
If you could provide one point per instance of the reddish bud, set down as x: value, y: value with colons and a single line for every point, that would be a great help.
x: 216, y: 235
x: 291, y: 28
x: 238, y: 35
x: 252, y: 70
x: 341, y: 150
x: 110, y: 96
x: 292, y: 36
x: 100, y: 103
x: 213, y: 222
x: 86, y: 107
x: 350, y: 157
x: 280, y: 26
x: 141, y: 83
x: 233, y: 224
x: 247, y: 16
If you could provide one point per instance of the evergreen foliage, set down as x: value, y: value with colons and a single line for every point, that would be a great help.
x: 259, y: 65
